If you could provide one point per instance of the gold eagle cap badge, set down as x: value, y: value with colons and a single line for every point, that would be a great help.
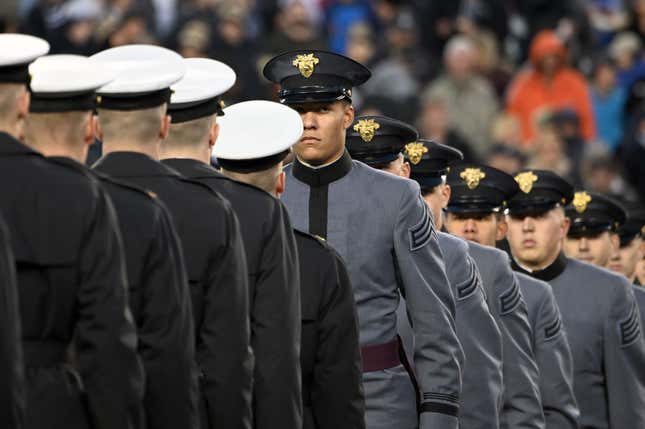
x: 415, y: 152
x: 472, y: 177
x: 306, y: 64
x: 580, y: 201
x: 367, y: 129
x: 526, y: 181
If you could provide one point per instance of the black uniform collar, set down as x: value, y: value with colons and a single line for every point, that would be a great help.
x: 192, y: 168
x: 10, y: 146
x: 547, y: 274
x: 132, y: 164
x: 324, y: 175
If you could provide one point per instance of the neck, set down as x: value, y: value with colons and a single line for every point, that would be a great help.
x: 150, y: 149
x: 14, y: 130
x: 322, y: 165
x: 77, y: 152
x: 185, y: 153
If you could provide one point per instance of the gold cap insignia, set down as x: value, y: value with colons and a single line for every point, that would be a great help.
x: 526, y: 181
x: 472, y: 176
x: 643, y: 230
x: 367, y: 129
x: 306, y: 64
x: 221, y: 103
x: 415, y: 152
x: 580, y: 201
x: 99, y: 99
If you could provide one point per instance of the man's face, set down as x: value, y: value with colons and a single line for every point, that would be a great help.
x: 323, y: 139
x: 624, y: 260
x: 398, y: 167
x: 480, y: 228
x: 437, y: 199
x: 594, y: 249
x: 535, y: 241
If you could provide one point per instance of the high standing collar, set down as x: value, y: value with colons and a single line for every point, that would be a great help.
x: 132, y: 164
x: 10, y: 146
x: 325, y: 175
x: 192, y: 168
x: 547, y: 274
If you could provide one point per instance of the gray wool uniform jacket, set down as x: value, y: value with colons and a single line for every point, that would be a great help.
x: 603, y: 324
x: 480, y: 337
x: 552, y: 354
x: 522, y: 406
x: 639, y: 294
x: 380, y: 226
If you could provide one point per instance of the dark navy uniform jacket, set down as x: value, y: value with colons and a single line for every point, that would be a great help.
x: 272, y: 266
x: 330, y: 356
x: 216, y: 270
x: 11, y: 363
x: 72, y: 292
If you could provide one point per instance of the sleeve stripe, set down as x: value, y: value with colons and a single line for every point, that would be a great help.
x: 553, y: 329
x: 441, y: 396
x: 467, y: 289
x: 420, y: 234
x: 440, y: 408
x: 630, y: 328
x: 510, y: 299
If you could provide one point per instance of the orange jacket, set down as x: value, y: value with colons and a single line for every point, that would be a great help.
x: 529, y: 95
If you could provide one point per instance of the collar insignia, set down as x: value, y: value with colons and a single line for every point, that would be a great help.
x: 415, y: 152
x: 580, y: 201
x: 472, y: 176
x: 526, y: 181
x: 306, y: 64
x: 367, y: 129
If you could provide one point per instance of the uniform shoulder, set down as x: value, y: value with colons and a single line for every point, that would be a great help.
x: 489, y: 251
x: 306, y: 238
x: 601, y: 278
x: 452, y: 243
x: 387, y: 183
x: 540, y: 285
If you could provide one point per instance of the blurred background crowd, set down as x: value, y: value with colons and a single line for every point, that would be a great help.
x: 555, y: 84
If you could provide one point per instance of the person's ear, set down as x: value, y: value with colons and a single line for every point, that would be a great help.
x: 405, y: 169
x: 90, y: 126
x: 98, y: 131
x: 280, y: 185
x: 23, y: 104
x: 615, y: 242
x: 564, y: 227
x: 502, y: 228
x: 165, y: 127
x: 348, y: 116
x: 213, y: 134
x: 446, y: 191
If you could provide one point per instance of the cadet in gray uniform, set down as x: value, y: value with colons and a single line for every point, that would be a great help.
x: 428, y: 163
x: 598, y: 308
x: 625, y: 259
x: 476, y: 213
x: 606, y: 235
x: 378, y: 223
x: 473, y: 193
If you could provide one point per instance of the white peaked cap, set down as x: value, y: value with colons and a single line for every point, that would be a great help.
x: 140, y: 69
x: 257, y: 129
x: 67, y: 74
x: 16, y: 49
x: 204, y: 79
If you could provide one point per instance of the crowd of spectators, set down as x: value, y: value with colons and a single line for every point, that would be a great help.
x: 556, y: 84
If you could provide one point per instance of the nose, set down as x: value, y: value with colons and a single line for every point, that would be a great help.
x: 309, y: 120
x: 583, y: 244
x: 470, y: 226
x: 527, y: 224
